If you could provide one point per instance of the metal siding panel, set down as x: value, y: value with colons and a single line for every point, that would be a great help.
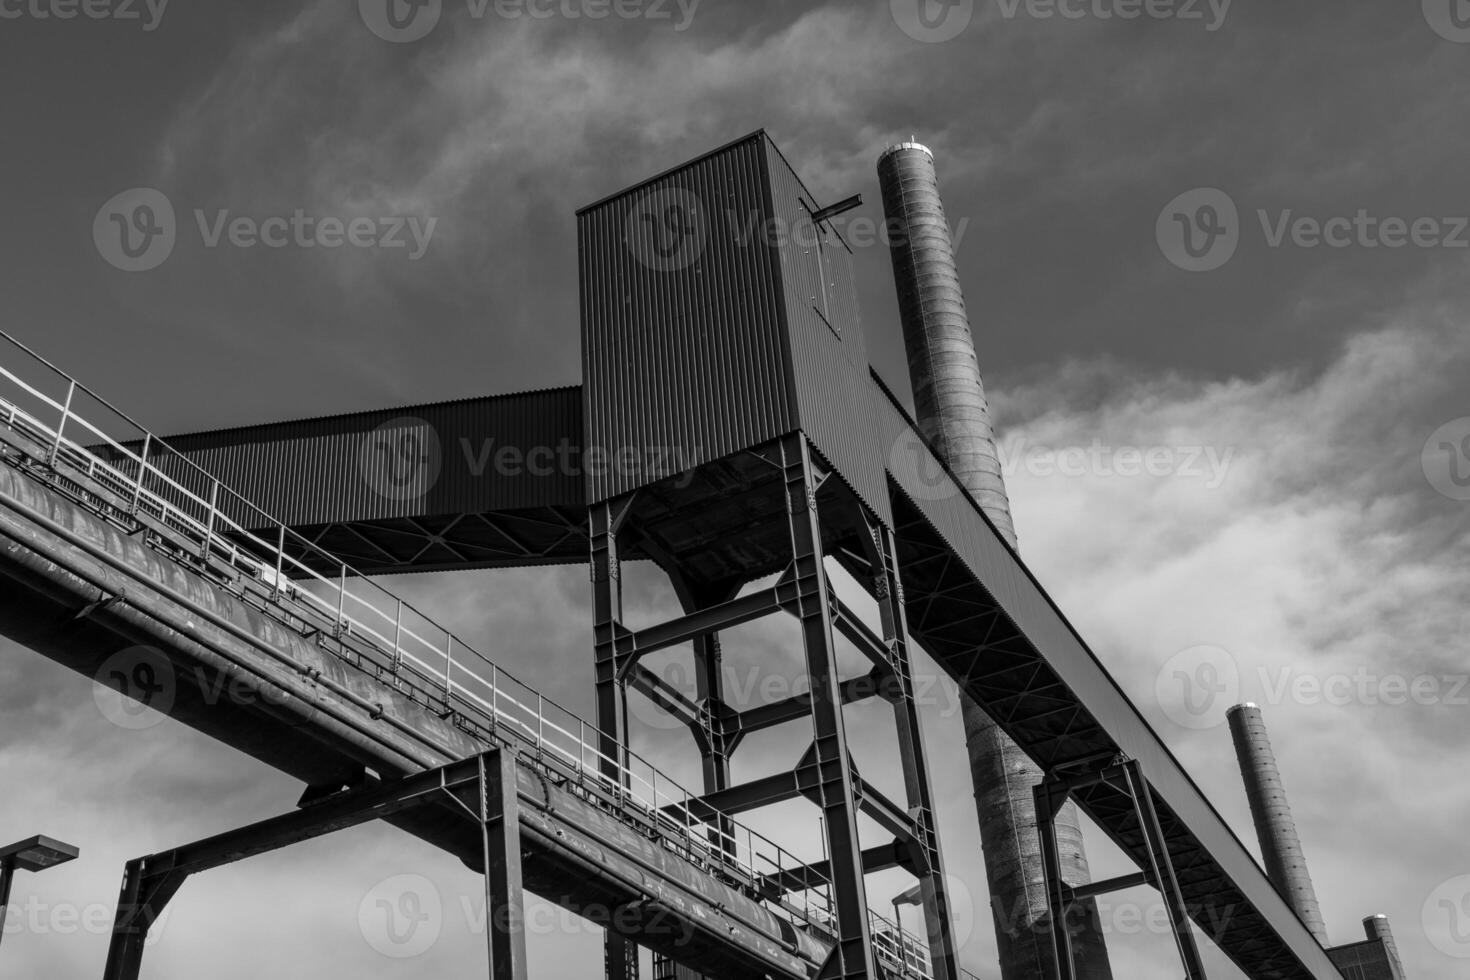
x: 322, y: 470
x: 976, y: 543
x: 830, y: 368
x: 690, y: 359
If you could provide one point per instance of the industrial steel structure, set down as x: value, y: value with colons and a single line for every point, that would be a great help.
x: 728, y: 430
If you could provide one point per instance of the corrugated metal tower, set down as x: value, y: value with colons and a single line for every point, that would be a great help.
x: 1281, y: 848
x: 949, y: 399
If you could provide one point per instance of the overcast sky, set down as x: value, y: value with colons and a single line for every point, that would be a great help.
x: 1127, y: 195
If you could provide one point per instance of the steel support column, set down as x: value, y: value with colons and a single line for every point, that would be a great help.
x: 1051, y: 795
x: 505, y: 920
x: 605, y: 521
x: 927, y: 863
x: 852, y: 956
x: 482, y: 788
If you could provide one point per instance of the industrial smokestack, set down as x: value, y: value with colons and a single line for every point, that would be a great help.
x: 953, y: 414
x: 1377, y: 927
x: 1281, y: 848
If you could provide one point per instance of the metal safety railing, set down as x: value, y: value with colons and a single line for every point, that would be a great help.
x: 73, y: 429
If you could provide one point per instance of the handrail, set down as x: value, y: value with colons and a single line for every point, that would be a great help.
x: 411, y: 650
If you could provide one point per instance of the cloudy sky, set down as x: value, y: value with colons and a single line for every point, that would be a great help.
x: 1231, y: 235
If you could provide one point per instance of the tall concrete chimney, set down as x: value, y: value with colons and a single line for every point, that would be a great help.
x: 1281, y: 848
x: 1376, y: 927
x: 953, y: 414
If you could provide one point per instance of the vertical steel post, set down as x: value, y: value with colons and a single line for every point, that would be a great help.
x: 125, y: 950
x: 1168, y: 882
x: 505, y: 918
x: 398, y: 641
x: 852, y: 955
x: 341, y: 597
x: 928, y: 865
x: 142, y: 469
x: 209, y: 521
x: 276, y: 588
x: 71, y: 390
x: 7, y: 873
x: 605, y: 521
x: 1049, y: 800
x: 448, y: 667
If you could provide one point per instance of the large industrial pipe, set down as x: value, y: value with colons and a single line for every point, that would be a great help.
x: 949, y: 399
x: 1281, y: 848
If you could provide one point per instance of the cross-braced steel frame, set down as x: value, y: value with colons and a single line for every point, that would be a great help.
x: 481, y: 789
x: 1127, y: 778
x: 825, y: 774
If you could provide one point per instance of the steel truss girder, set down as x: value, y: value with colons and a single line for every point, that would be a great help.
x: 482, y: 788
x: 1128, y: 779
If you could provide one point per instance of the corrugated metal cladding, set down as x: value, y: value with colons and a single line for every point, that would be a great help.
x: 715, y: 318
x: 683, y: 355
x: 498, y: 453
x: 829, y: 357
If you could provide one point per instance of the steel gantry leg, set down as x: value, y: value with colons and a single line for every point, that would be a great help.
x: 926, y: 862
x: 505, y: 915
x: 1127, y: 777
x: 852, y: 956
x: 605, y: 521
x: 482, y: 788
